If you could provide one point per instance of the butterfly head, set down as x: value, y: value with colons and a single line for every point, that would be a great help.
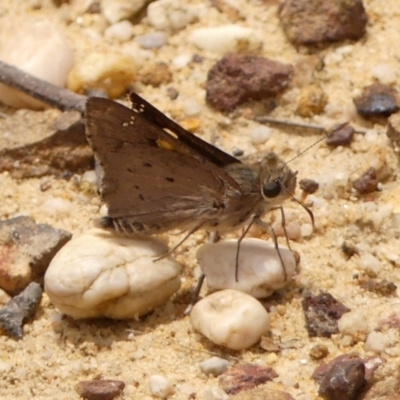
x: 278, y: 182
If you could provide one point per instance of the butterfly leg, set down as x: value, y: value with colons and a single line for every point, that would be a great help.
x: 283, y: 224
x: 169, y: 252
x: 268, y: 228
x: 213, y: 237
x: 244, y: 233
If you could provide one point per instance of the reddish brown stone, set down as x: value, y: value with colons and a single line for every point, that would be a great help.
x: 308, y: 185
x: 237, y: 78
x: 100, y: 389
x: 311, y: 22
x: 342, y: 378
x: 377, y: 100
x: 244, y: 377
x: 340, y: 136
x: 367, y: 182
x: 322, y: 313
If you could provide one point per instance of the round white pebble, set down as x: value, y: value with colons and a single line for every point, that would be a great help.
x: 260, y: 134
x: 152, y: 40
x: 214, y: 366
x: 41, y: 49
x: 377, y: 342
x: 121, y: 31
x: 260, y: 271
x: 354, y: 321
x: 223, y: 39
x: 191, y: 107
x: 230, y: 318
x: 160, y: 387
x: 99, y: 274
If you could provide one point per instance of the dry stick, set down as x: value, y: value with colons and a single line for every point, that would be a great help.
x: 60, y: 98
x: 295, y: 124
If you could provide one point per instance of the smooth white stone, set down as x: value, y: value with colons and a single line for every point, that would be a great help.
x: 260, y: 134
x: 377, y: 342
x: 214, y: 365
x: 260, y: 271
x: 121, y: 31
x: 152, y: 40
x: 172, y: 14
x: 223, y: 39
x: 160, y: 386
x: 230, y: 318
x: 116, y: 10
x: 354, y: 321
x: 99, y: 274
x: 39, y: 48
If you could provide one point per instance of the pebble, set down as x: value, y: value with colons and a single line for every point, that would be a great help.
x: 260, y: 134
x: 100, y: 389
x: 311, y: 101
x: 39, y: 48
x: 343, y: 380
x: 191, y: 107
x: 20, y: 308
x: 237, y: 78
x: 26, y: 248
x: 117, y: 10
x: 160, y: 386
x: 245, y: 376
x: 322, y: 313
x: 377, y: 100
x: 354, y: 322
x: 121, y: 31
x: 214, y: 366
x: 312, y: 22
x: 260, y: 270
x: 57, y: 206
x: 384, y: 73
x: 172, y: 14
x: 228, y: 38
x: 109, y: 71
x: 367, y: 182
x: 308, y: 185
x: 369, y: 262
x: 340, y: 136
x: 382, y: 287
x: 377, y: 342
x: 319, y: 351
x: 152, y: 40
x: 214, y: 393
x: 156, y: 74
x: 101, y: 275
x: 231, y: 319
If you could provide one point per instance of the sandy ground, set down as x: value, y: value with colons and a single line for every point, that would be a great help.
x: 56, y: 352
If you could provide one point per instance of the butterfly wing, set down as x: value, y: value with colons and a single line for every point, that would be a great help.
x: 201, y: 147
x: 150, y: 174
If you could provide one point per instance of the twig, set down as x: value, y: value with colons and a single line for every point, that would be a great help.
x: 296, y: 124
x: 58, y: 97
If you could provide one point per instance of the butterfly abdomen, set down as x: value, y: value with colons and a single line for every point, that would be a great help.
x: 126, y: 226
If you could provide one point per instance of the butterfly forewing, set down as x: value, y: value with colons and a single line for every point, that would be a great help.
x: 148, y: 174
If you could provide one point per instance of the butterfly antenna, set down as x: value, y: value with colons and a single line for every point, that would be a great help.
x: 327, y: 135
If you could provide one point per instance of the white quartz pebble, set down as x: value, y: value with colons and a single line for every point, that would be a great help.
x: 230, y: 318
x: 214, y: 365
x: 260, y: 270
x: 172, y: 14
x: 377, y: 342
x: 41, y: 49
x: 260, y: 134
x: 160, y: 387
x: 121, y: 31
x: 117, y: 10
x: 99, y: 274
x: 223, y: 39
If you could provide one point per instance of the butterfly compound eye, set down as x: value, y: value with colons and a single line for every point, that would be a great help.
x: 271, y: 189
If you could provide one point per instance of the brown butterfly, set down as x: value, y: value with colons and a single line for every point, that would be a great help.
x: 157, y: 177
